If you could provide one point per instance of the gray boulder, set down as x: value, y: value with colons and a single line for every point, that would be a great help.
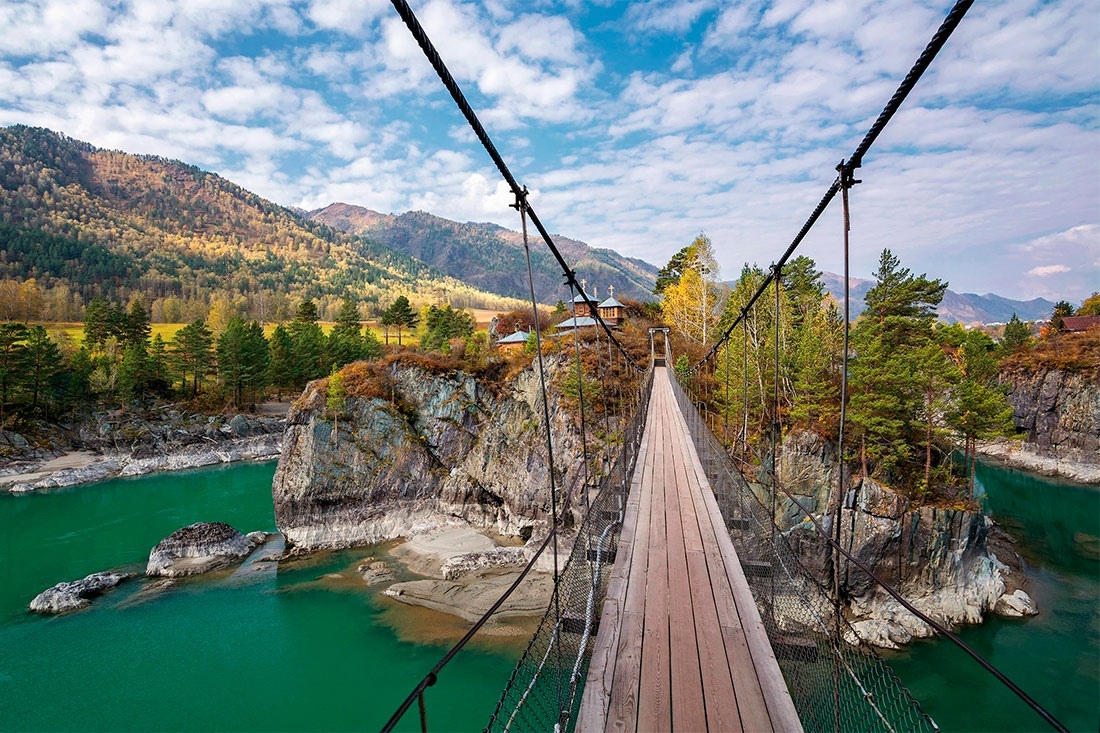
x: 76, y: 594
x: 198, y: 548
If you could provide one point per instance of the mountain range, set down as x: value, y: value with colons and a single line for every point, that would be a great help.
x: 965, y: 308
x: 107, y: 222
x: 490, y: 257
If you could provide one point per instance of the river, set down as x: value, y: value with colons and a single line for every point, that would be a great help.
x: 1055, y: 656
x: 309, y: 648
x: 306, y: 648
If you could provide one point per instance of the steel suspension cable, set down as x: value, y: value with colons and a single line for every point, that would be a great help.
x: 939, y: 38
x: 430, y: 52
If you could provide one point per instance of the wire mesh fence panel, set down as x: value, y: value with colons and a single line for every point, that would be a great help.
x: 545, y: 688
x: 837, y: 683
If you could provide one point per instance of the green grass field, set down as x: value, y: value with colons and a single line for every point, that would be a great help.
x: 74, y: 332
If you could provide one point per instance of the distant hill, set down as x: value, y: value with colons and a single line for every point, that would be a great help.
x: 102, y: 221
x: 965, y: 308
x: 491, y: 257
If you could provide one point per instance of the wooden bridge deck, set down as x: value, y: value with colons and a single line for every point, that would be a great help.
x: 681, y: 645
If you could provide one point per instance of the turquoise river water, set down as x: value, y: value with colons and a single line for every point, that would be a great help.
x: 307, y: 647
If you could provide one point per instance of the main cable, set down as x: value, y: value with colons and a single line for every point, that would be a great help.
x: 449, y: 82
x: 939, y: 38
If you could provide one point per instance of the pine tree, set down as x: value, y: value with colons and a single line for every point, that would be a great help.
x: 136, y: 326
x: 97, y: 322
x: 979, y: 409
x: 400, y: 315
x: 243, y: 359
x: 193, y: 347
x: 345, y: 341
x: 443, y: 324
x: 281, y: 366
x: 13, y: 355
x: 308, y: 342
x: 41, y: 363
x: 889, y: 406
x: 1017, y: 333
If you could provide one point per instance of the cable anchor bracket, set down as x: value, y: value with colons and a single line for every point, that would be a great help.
x: 847, y: 174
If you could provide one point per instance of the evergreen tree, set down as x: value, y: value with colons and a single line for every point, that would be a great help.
x: 671, y: 273
x: 400, y: 316
x: 1017, y: 333
x: 893, y: 342
x: 13, y: 355
x: 193, y: 347
x: 443, y: 324
x: 345, y: 341
x: 281, y: 367
x: 97, y: 326
x: 979, y: 409
x: 372, y: 347
x: 42, y: 361
x: 160, y: 372
x: 76, y: 387
x: 133, y: 371
x: 1061, y: 309
x: 243, y: 358
x: 308, y: 341
x: 117, y: 321
x: 136, y: 326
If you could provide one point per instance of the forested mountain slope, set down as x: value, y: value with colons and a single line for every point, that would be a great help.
x: 110, y: 223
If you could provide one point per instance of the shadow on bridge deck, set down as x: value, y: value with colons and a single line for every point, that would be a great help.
x: 681, y: 645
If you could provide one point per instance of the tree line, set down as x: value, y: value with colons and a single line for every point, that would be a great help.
x: 234, y: 363
x: 917, y: 387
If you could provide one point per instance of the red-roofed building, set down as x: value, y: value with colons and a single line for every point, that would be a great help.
x: 1080, y: 323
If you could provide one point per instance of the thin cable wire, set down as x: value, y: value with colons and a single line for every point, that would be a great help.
x: 939, y: 38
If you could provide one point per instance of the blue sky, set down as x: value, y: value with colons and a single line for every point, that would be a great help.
x: 635, y: 125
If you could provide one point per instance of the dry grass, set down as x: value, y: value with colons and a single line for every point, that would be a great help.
x: 1078, y: 351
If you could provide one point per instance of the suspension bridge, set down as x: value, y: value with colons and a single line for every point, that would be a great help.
x: 680, y: 605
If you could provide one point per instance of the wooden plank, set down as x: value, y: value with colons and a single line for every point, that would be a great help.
x: 688, y: 711
x: 622, y: 714
x: 655, y: 705
x: 718, y: 691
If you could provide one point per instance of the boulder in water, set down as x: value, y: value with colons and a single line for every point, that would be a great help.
x: 198, y: 548
x: 1016, y: 605
x: 76, y: 594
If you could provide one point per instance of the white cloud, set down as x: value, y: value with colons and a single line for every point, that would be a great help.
x: 1047, y: 270
x: 347, y: 16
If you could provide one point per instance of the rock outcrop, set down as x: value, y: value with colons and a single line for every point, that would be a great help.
x: 446, y: 447
x: 127, y: 444
x: 938, y: 558
x: 76, y: 594
x: 200, y: 548
x: 1057, y: 412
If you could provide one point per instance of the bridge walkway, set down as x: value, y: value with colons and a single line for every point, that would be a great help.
x: 681, y: 645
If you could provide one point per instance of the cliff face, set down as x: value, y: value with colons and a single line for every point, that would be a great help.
x: 446, y: 447
x: 939, y: 559
x: 1058, y: 411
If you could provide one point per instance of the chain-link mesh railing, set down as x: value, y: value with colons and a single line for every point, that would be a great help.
x: 544, y: 691
x: 836, y: 685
